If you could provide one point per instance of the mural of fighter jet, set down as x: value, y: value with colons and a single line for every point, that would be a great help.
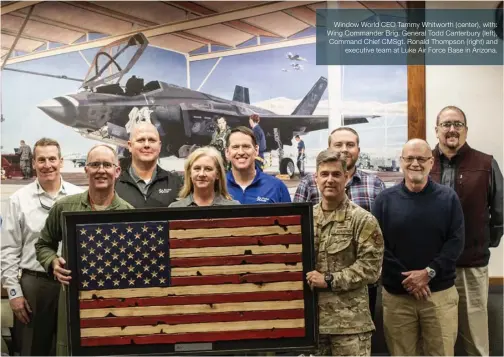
x: 295, y: 57
x: 106, y: 111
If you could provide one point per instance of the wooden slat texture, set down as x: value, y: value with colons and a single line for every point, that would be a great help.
x: 238, y: 279
x: 194, y: 337
x: 192, y: 328
x: 233, y: 232
x: 243, y: 250
x: 187, y: 319
x: 416, y: 88
x: 236, y: 241
x: 304, y: 14
x: 192, y: 309
x: 235, y: 269
x: 231, y: 260
x: 235, y: 222
x: 183, y: 300
x: 190, y: 290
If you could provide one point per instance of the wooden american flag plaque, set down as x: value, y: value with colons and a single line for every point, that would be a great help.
x: 191, y: 280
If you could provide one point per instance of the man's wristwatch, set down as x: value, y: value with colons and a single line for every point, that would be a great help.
x: 328, y: 277
x: 431, y: 273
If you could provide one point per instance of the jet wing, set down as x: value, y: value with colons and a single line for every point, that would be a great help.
x: 302, y: 124
x: 294, y: 123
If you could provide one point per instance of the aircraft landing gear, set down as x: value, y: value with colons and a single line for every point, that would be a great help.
x: 286, y: 165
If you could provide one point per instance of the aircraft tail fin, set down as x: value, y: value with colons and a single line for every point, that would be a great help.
x: 310, y: 101
x: 241, y: 94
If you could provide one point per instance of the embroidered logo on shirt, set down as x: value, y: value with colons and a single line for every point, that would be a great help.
x: 13, y: 292
x: 262, y: 199
x: 164, y: 190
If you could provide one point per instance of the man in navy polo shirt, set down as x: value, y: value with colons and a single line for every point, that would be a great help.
x: 246, y: 184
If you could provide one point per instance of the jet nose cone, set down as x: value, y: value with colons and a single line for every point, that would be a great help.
x: 61, y: 109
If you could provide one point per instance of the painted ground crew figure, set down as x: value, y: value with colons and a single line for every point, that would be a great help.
x: 349, y: 253
x: 25, y: 156
x: 219, y: 139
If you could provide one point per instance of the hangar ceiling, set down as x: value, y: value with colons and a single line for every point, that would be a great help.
x: 37, y: 29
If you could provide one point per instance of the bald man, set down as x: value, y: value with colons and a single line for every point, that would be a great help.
x: 145, y: 184
x: 423, y: 230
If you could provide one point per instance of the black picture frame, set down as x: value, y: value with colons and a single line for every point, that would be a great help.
x: 289, y: 345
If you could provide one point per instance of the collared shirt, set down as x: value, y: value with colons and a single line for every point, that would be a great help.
x: 189, y: 201
x: 362, y: 189
x: 142, y: 185
x: 263, y: 189
x: 23, y: 222
x: 448, y: 170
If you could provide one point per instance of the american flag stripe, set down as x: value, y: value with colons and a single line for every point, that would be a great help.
x: 193, y: 308
x: 233, y: 260
x: 241, y: 250
x: 190, y: 328
x: 226, y: 241
x: 183, y: 300
x: 236, y: 269
x: 233, y: 232
x: 192, y: 337
x: 232, y: 276
x: 235, y: 222
x: 193, y: 318
x: 189, y: 290
x: 237, y: 279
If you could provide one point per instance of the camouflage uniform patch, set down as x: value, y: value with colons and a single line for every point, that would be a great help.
x: 349, y: 244
x: 345, y: 345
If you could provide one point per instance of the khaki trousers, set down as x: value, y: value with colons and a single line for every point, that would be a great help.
x: 345, y: 345
x: 472, y: 287
x: 421, y: 327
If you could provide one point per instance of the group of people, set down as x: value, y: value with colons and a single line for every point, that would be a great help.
x: 434, y: 230
x: 33, y: 266
x: 427, y: 237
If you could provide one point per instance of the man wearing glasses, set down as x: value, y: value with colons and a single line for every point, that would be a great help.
x: 33, y: 294
x: 102, y: 170
x: 423, y: 230
x: 477, y: 180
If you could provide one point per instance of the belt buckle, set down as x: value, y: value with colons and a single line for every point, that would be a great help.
x: 20, y: 273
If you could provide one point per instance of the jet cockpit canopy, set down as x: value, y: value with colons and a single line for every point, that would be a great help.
x: 114, y: 60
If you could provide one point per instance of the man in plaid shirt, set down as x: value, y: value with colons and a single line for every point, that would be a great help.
x: 361, y: 187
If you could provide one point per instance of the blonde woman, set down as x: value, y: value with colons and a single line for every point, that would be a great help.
x: 204, y: 180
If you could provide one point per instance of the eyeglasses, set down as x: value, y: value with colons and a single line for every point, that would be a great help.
x: 97, y: 164
x: 419, y: 159
x: 458, y: 125
x: 46, y: 207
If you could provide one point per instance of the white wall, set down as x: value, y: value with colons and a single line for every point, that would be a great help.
x: 478, y: 91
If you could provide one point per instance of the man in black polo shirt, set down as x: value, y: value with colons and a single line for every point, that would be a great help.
x: 423, y: 230
x: 145, y: 184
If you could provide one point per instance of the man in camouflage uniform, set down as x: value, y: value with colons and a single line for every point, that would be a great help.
x: 219, y: 139
x: 25, y: 159
x: 349, y: 253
